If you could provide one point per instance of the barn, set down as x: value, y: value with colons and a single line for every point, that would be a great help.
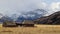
x: 9, y: 24
x: 28, y: 23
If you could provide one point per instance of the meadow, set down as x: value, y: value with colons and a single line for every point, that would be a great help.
x: 38, y: 29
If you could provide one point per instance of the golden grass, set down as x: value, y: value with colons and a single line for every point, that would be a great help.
x: 40, y: 29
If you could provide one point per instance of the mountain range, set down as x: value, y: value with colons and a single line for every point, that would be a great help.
x: 37, y: 17
x: 30, y: 15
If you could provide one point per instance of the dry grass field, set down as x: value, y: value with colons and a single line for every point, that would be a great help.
x: 39, y: 29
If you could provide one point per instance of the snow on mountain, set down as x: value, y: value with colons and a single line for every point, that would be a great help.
x: 30, y: 15
x: 1, y: 15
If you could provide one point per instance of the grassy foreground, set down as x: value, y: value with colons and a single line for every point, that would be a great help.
x: 39, y: 29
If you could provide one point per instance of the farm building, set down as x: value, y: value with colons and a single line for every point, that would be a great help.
x: 24, y: 23
x: 28, y: 23
x: 9, y: 24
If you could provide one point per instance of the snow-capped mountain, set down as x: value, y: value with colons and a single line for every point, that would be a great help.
x: 4, y: 18
x: 30, y: 15
x: 1, y: 15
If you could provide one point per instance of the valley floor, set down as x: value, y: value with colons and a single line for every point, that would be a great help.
x: 38, y: 29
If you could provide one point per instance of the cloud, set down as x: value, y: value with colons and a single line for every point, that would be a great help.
x: 9, y: 7
x: 53, y: 7
x: 42, y: 5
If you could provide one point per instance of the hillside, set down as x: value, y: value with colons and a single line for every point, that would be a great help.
x: 51, y: 19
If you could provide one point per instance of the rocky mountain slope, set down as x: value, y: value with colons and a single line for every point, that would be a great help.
x: 51, y: 19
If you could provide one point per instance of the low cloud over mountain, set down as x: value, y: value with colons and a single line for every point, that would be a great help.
x: 30, y: 15
x: 28, y: 9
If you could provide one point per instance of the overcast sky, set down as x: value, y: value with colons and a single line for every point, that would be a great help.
x: 9, y: 7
